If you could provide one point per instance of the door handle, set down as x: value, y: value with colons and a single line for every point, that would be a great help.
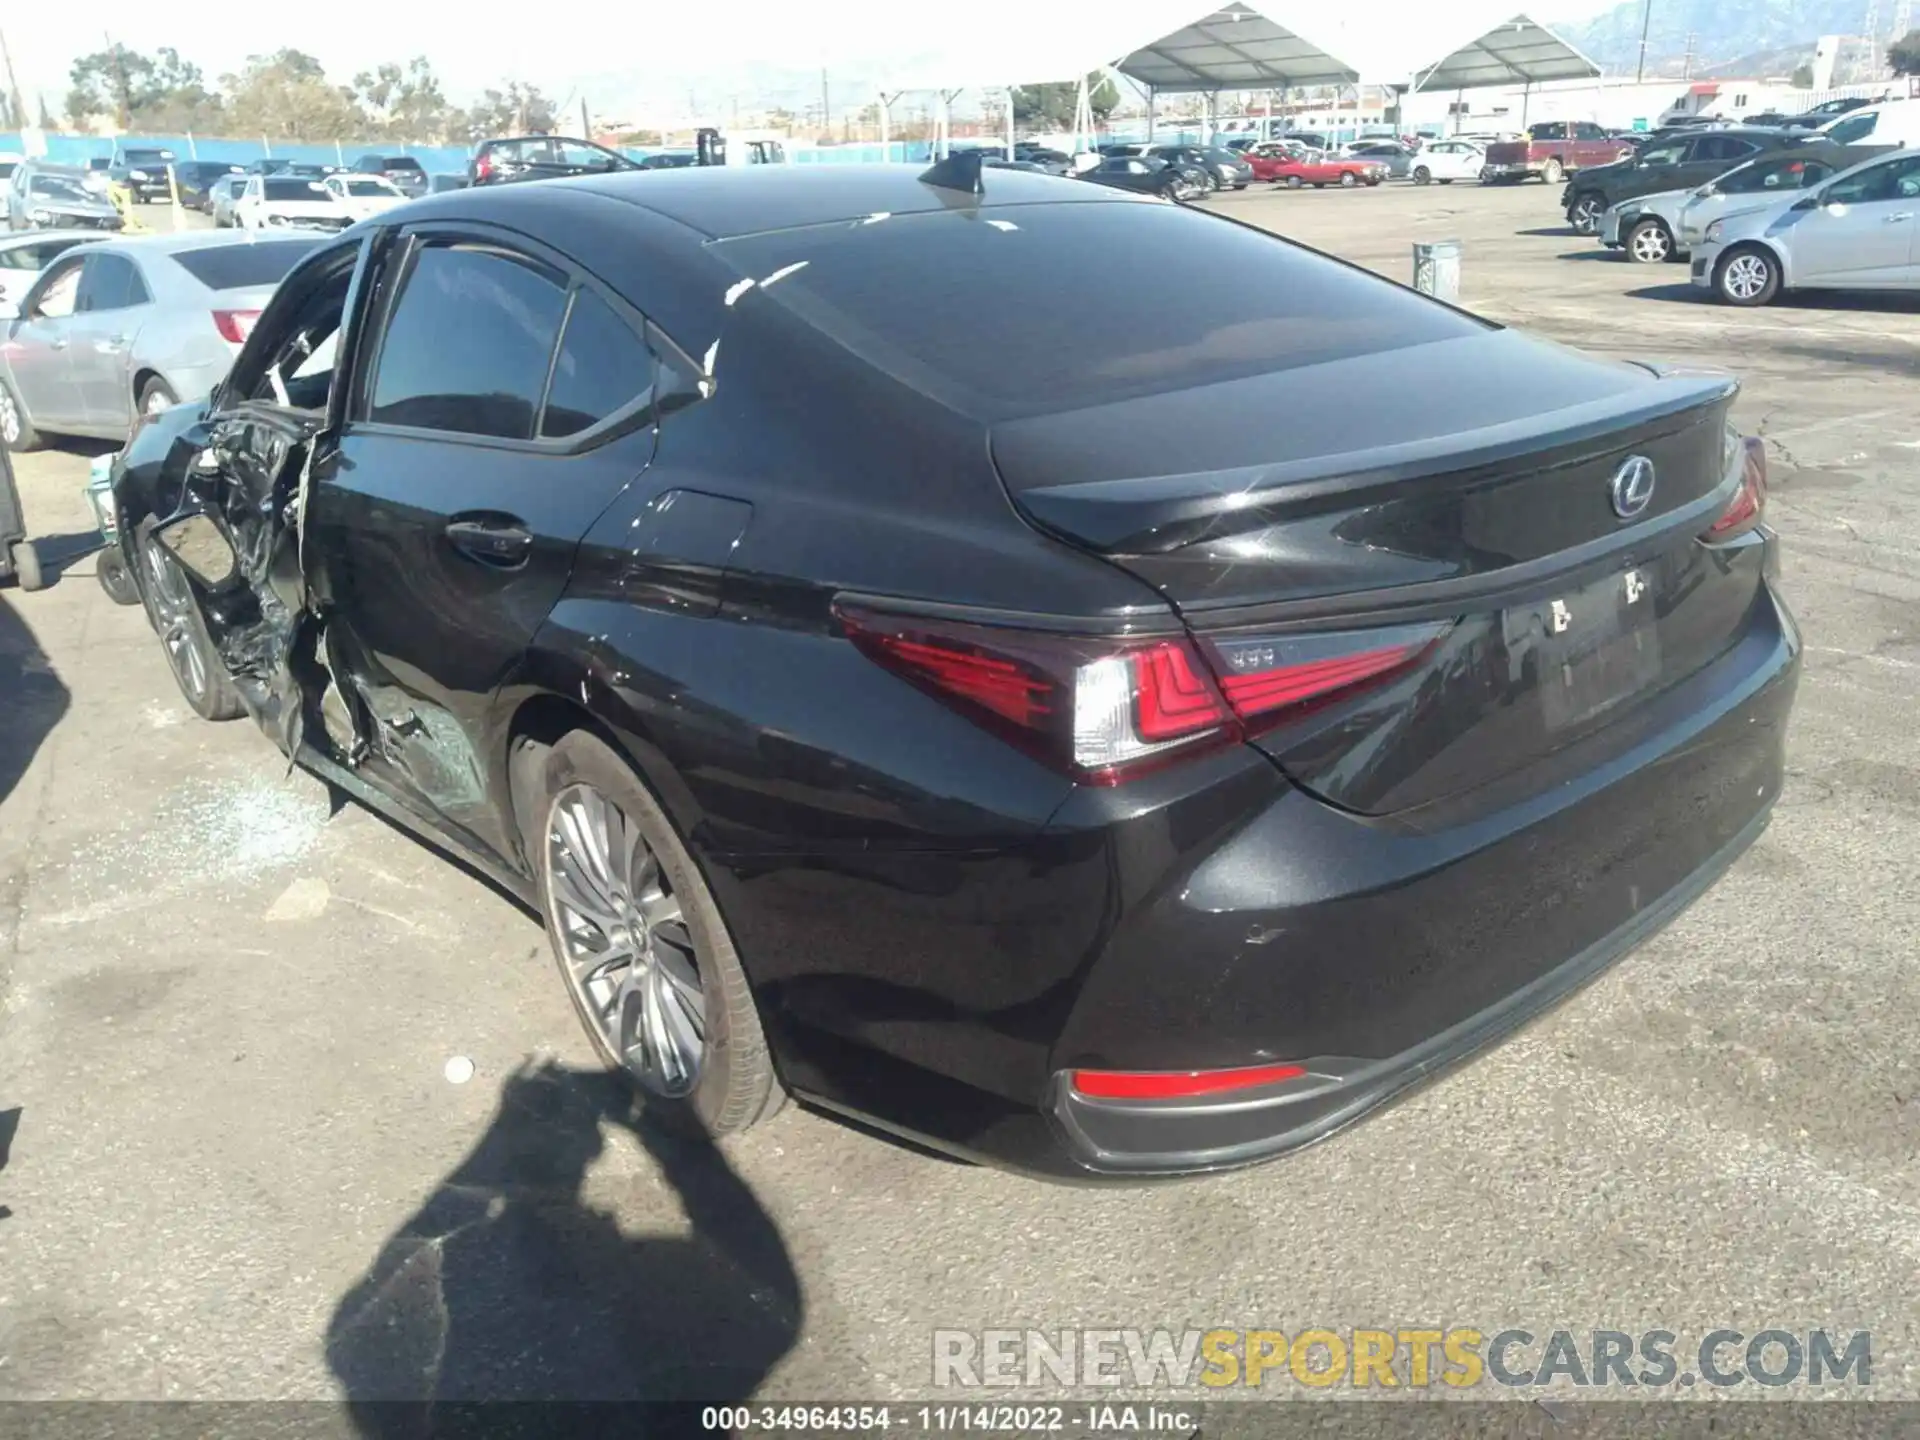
x: 113, y: 345
x: 499, y: 541
x: 1896, y: 219
x: 58, y: 343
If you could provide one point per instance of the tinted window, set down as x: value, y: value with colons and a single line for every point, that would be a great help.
x: 233, y: 267
x: 1665, y: 154
x: 1778, y: 174
x: 469, y: 342
x: 57, y: 187
x: 403, y: 162
x: 1852, y: 131
x: 110, y: 282
x: 976, y: 313
x: 1724, y: 147
x: 602, y: 366
x: 276, y: 188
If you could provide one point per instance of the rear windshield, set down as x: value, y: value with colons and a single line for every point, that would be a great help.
x: 1003, y: 313
x: 146, y: 157
x: 236, y: 267
x: 401, y: 162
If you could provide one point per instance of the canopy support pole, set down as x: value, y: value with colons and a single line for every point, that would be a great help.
x: 1010, y: 90
x: 886, y: 123
x: 1152, y: 94
x: 1526, y: 95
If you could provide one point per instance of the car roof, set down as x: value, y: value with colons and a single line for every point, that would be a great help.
x: 178, y: 241
x: 35, y: 237
x: 722, y: 201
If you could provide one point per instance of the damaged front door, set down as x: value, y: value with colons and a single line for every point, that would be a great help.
x: 248, y: 474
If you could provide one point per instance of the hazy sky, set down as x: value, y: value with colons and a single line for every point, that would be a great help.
x: 610, y: 51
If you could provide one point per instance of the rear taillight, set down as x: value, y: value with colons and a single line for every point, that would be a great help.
x: 1101, y: 709
x: 483, y: 168
x: 1749, y: 504
x: 1268, y: 679
x: 235, y: 325
x: 1107, y: 709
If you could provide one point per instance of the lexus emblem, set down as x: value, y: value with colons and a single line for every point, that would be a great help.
x: 1632, y: 486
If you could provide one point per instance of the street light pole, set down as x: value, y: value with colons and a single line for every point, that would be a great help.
x: 1646, y: 24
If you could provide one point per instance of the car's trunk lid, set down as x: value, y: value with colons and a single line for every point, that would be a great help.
x: 1459, y: 501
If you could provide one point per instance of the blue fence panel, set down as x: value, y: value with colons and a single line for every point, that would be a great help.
x: 78, y: 149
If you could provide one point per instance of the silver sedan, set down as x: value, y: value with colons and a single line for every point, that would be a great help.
x: 124, y: 327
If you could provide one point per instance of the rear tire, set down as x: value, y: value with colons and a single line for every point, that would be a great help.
x: 25, y: 561
x: 156, y: 395
x: 648, y: 882
x: 1422, y: 175
x: 1554, y: 172
x: 1294, y: 182
x: 1348, y: 180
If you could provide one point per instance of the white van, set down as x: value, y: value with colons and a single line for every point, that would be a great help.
x: 1890, y: 124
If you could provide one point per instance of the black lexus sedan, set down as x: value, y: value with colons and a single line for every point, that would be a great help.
x: 1103, y: 739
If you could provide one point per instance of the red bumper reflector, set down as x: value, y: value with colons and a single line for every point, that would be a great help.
x: 1177, y: 1084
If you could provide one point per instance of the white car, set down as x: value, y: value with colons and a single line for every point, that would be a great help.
x: 1756, y: 185
x: 364, y: 195
x: 289, y: 202
x: 1855, y: 232
x: 1446, y: 161
x: 24, y: 256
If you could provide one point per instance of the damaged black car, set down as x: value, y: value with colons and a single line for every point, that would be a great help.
x: 1082, y: 736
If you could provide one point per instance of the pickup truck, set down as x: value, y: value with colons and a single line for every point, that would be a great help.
x: 1552, y: 150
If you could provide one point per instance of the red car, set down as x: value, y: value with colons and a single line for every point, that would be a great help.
x: 1293, y: 169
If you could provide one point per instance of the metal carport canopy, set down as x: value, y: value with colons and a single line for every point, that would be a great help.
x: 1234, y: 49
x: 1520, y: 52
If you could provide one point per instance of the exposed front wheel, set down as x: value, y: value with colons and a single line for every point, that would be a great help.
x: 1348, y: 180
x: 1584, y: 214
x: 175, y: 613
x: 1747, y: 277
x: 1649, y: 243
x: 1294, y: 182
x: 156, y: 395
x: 115, y: 578
x: 640, y: 943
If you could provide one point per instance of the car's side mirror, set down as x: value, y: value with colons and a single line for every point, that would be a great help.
x: 201, y: 545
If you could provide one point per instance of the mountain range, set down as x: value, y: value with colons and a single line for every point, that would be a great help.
x: 1719, y: 35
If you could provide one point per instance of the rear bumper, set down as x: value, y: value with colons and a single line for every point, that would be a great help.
x: 1510, y: 170
x: 1242, y: 922
x: 1393, y: 955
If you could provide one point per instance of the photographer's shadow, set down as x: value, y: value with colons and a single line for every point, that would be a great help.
x: 506, y: 1285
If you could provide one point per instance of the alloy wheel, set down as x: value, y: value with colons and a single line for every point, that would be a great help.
x: 1585, y: 216
x: 1746, y: 276
x: 9, y: 418
x: 157, y: 400
x: 1650, y: 244
x: 629, y: 953
x: 172, y: 604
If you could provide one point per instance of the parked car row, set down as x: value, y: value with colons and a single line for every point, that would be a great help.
x: 1757, y: 211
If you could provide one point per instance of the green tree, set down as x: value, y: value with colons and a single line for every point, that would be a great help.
x: 1803, y: 78
x: 406, y: 102
x: 286, y: 96
x: 1904, y: 54
x: 1052, y: 106
x: 154, y: 92
x: 520, y: 109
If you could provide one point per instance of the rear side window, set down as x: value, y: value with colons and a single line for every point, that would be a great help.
x: 469, y: 343
x: 1852, y: 131
x: 997, y: 316
x: 234, y: 267
x: 602, y: 367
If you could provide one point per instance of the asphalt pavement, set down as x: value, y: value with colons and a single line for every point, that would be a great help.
x: 240, y: 1161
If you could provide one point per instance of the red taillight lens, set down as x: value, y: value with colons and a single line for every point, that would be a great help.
x: 1102, y: 709
x: 235, y: 325
x: 1267, y: 677
x: 483, y: 167
x: 1749, y: 504
x: 1177, y: 1084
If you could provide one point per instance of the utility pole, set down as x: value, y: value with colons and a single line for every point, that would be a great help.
x: 1686, y: 65
x: 1646, y: 25
x: 826, y: 114
x: 1873, y: 39
x: 586, y: 125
